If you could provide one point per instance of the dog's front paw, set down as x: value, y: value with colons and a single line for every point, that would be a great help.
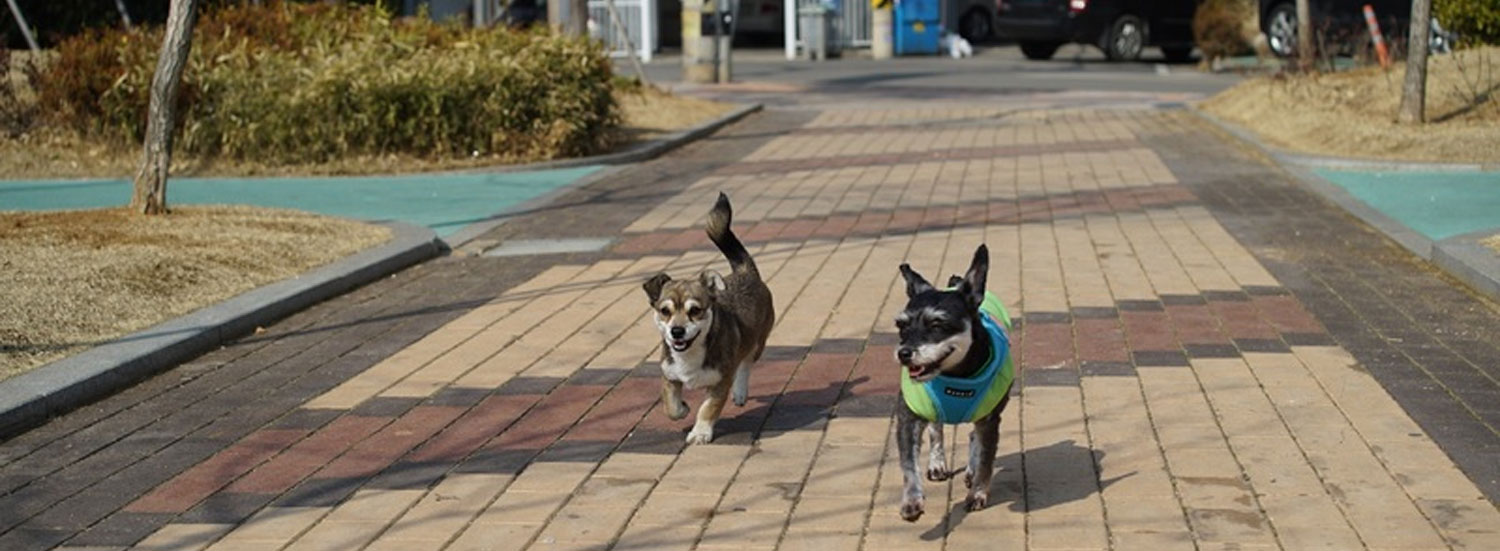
x: 912, y: 509
x: 977, y: 500
x: 677, y: 411
x: 701, y: 434
x: 740, y: 396
x: 938, y: 472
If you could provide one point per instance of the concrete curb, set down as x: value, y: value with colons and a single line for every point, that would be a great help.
x: 31, y: 398
x: 1461, y: 256
x: 1468, y: 260
x: 643, y: 152
x: 638, y: 153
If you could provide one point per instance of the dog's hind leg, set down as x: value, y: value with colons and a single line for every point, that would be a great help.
x: 937, y: 461
x: 908, y: 444
x: 740, y: 392
x: 983, y: 444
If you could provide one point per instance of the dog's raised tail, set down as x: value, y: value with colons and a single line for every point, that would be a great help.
x: 724, y: 238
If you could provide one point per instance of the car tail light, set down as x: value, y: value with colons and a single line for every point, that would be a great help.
x: 1075, y: 6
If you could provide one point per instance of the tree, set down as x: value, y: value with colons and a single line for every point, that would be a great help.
x: 1305, y: 54
x: 150, y: 195
x: 1414, y: 90
x: 578, y: 20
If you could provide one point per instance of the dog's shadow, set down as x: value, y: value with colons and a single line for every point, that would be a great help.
x: 1061, y: 473
x: 799, y: 409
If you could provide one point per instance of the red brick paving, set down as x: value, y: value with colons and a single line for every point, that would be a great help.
x: 383, y: 448
x: 301, y: 460
x: 202, y: 480
x: 477, y: 426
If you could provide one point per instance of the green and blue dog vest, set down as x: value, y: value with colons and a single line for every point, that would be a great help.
x: 953, y: 400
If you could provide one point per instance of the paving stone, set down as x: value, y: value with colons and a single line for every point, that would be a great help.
x: 1163, y: 285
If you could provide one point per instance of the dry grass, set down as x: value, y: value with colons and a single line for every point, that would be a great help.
x: 72, y: 279
x: 651, y: 113
x: 1352, y: 114
x: 648, y: 114
x: 1493, y: 242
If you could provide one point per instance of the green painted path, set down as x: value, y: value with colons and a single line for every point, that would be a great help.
x: 443, y: 202
x: 1437, y: 205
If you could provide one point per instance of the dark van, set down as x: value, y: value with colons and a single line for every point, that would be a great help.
x: 1122, y: 28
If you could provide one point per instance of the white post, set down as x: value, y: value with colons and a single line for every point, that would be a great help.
x: 648, y: 29
x: 789, y: 20
x: 25, y: 28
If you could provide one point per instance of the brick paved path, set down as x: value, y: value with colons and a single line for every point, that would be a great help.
x: 1176, y: 390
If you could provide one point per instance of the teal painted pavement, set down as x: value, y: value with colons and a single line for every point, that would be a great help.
x: 443, y: 202
x: 1438, y: 205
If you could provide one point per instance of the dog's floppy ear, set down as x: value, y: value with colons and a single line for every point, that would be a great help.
x: 973, y: 283
x: 915, y: 283
x: 713, y: 281
x: 653, y: 286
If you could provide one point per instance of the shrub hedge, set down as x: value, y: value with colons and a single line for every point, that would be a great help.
x: 1475, y: 21
x: 1218, y: 27
x: 293, y: 83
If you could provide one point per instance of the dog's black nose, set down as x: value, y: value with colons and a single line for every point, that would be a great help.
x: 904, y: 354
x: 678, y: 332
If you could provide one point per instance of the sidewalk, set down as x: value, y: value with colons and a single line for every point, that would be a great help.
x: 1202, y: 367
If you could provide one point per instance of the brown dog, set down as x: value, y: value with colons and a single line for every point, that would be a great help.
x: 713, y: 328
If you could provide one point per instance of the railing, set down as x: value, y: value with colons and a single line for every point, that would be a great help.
x: 636, y: 28
x: 851, y: 25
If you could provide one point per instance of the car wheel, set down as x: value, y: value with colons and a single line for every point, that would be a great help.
x: 1177, y: 54
x: 1127, y: 37
x: 1039, y: 50
x: 1281, y: 31
x: 975, y: 25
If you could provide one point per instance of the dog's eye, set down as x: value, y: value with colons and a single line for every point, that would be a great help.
x: 695, y: 312
x: 666, y: 312
x: 936, y: 324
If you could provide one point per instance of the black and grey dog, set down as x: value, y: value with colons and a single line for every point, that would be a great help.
x: 955, y: 351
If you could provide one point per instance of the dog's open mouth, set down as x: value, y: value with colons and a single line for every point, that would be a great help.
x: 924, y: 371
x: 680, y: 345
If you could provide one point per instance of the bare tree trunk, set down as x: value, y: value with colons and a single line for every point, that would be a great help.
x: 1305, y: 53
x: 151, y: 181
x: 1414, y: 91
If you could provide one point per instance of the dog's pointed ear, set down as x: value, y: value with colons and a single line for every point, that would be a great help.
x: 915, y: 283
x: 653, y: 286
x: 974, y: 279
x: 954, y: 280
x: 713, y: 281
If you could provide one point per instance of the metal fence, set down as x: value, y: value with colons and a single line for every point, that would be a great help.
x: 851, y: 26
x: 637, y: 27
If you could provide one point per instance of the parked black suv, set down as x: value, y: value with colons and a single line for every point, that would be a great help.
x: 1122, y: 28
x: 1341, y: 23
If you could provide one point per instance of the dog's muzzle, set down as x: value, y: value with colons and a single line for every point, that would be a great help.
x: 918, y: 372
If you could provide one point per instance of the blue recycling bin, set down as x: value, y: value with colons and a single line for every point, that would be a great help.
x: 917, y: 27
